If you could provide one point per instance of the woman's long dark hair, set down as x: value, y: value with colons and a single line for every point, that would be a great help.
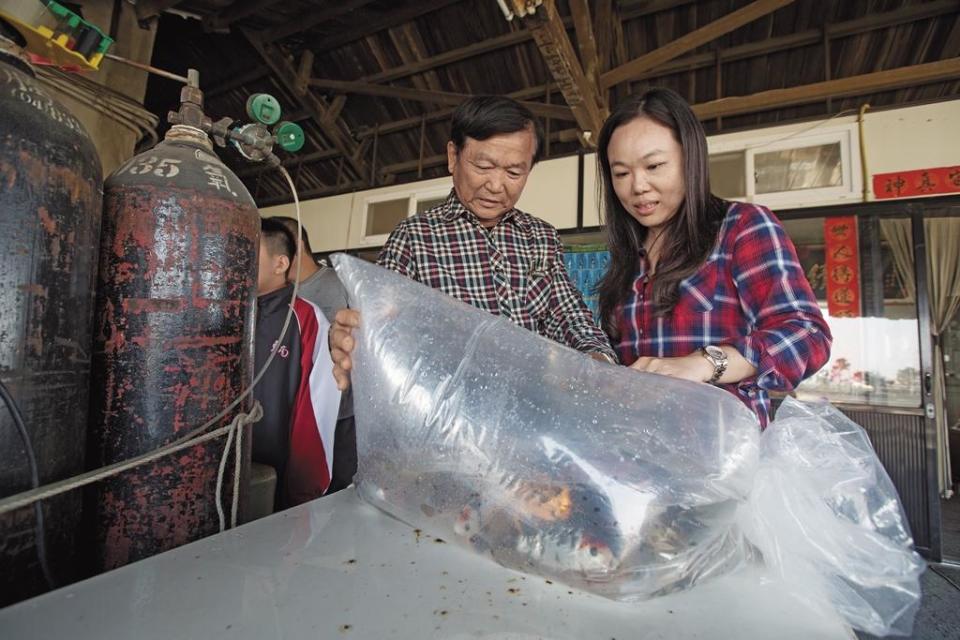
x: 689, y: 236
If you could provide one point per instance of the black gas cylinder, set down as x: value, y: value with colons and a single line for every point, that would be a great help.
x: 172, y: 340
x: 50, y: 208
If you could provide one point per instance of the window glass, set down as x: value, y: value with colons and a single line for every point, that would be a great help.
x: 875, y: 359
x: 383, y: 216
x: 728, y: 175
x: 812, y: 167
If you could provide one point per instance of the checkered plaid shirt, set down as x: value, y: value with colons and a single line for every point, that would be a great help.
x: 514, y: 269
x: 751, y: 294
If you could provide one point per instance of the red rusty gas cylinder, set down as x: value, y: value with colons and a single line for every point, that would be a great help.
x: 172, y: 340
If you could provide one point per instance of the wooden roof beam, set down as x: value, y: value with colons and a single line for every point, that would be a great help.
x: 413, y: 68
x: 692, y: 40
x: 551, y: 37
x: 904, y: 15
x: 776, y: 98
x: 910, y: 13
x: 336, y: 107
x: 884, y: 19
x: 840, y: 88
x: 629, y: 11
x: 442, y: 114
x: 454, y: 55
x: 237, y: 81
x: 809, y: 37
x: 587, y: 45
x: 304, y: 71
x: 321, y: 113
x: 421, y: 95
x: 608, y: 25
x: 387, y: 20
x: 312, y: 19
x: 238, y: 10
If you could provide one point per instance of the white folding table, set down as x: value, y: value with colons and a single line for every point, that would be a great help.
x: 339, y: 568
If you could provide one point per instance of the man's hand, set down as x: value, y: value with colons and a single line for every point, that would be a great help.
x: 342, y: 344
x: 693, y: 367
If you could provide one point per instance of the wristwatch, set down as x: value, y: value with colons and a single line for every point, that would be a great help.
x: 717, y: 358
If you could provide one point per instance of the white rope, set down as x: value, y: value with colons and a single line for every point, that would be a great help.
x: 26, y: 498
x: 223, y: 463
x: 238, y: 459
x: 235, y: 437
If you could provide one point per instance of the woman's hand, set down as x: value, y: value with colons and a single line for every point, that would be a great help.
x: 693, y: 367
x: 697, y: 368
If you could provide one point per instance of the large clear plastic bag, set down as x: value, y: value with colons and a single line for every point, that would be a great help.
x: 625, y: 484
x: 824, y: 514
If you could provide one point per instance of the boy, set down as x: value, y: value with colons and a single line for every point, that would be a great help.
x: 320, y: 285
x: 299, y: 396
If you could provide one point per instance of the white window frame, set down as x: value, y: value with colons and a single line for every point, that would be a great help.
x: 848, y: 136
x: 412, y: 196
x: 428, y: 194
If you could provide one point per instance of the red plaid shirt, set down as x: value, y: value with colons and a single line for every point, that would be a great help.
x: 751, y: 294
x: 514, y: 269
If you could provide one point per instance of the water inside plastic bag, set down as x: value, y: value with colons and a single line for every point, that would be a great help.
x: 483, y: 433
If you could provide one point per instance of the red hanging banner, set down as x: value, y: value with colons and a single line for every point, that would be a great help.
x: 843, y: 267
x: 922, y: 182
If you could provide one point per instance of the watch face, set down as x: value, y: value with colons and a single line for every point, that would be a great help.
x: 715, y: 352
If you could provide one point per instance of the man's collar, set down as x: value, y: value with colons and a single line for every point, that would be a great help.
x: 453, y: 209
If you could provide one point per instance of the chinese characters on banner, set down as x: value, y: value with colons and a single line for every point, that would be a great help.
x: 843, y: 267
x: 923, y: 182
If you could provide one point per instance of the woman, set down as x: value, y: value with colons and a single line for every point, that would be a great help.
x: 698, y: 288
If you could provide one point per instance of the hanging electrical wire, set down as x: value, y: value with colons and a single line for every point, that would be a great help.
x: 41, y: 534
x: 115, y: 105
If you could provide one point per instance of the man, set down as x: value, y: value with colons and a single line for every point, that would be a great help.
x: 478, y: 247
x: 319, y: 284
x: 298, y: 393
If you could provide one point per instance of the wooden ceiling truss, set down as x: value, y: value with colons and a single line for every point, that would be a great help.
x: 585, y: 54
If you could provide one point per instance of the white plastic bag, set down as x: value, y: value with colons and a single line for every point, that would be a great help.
x: 827, y: 519
x: 626, y: 484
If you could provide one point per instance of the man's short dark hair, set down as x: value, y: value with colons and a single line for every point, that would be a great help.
x: 291, y: 225
x: 483, y: 117
x: 277, y: 239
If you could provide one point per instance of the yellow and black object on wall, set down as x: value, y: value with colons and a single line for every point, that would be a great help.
x: 55, y: 35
